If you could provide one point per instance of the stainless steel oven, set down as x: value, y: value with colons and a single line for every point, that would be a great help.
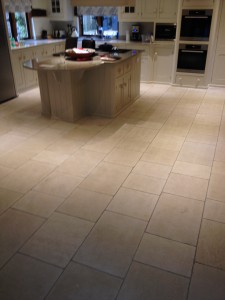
x: 196, y: 24
x: 192, y: 58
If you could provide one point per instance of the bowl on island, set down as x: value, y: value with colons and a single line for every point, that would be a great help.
x: 80, y: 52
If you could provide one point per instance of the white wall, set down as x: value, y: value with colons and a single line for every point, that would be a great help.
x: 41, y: 23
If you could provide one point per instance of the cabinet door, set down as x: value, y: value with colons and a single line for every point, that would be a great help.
x: 60, y: 47
x: 17, y: 60
x: 163, y: 60
x: 168, y: 10
x: 149, y: 9
x: 130, y: 13
x: 29, y: 75
x: 60, y: 10
x: 118, y: 94
x: 126, y: 89
x: 218, y: 76
x: 198, y: 3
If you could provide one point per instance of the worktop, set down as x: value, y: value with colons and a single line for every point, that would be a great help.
x: 72, y: 89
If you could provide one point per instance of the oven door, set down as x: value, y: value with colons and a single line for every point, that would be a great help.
x: 192, y: 59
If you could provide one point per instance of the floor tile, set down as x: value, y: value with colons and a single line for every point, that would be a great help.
x: 197, y: 153
x: 15, y: 231
x: 38, y: 203
x: 166, y: 254
x: 145, y: 183
x: 133, y: 203
x: 123, y: 157
x: 218, y: 168
x: 58, y: 239
x: 4, y: 171
x: 168, y: 142
x: 112, y: 244
x: 177, y: 218
x: 7, y: 199
x: 190, y: 169
x: 186, y: 186
x: 133, y: 144
x: 207, y: 283
x: 80, y: 282
x: 145, y: 282
x: 216, y: 189
x: 26, y: 278
x: 26, y: 177
x: 85, y: 204
x: 106, y: 178
x: 214, y: 210
x: 160, y: 156
x: 152, y: 169
x: 211, y: 245
x: 50, y: 157
x: 220, y: 152
x: 15, y: 158
x: 58, y: 184
x: 81, y: 163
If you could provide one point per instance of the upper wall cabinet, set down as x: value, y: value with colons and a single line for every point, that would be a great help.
x: 150, y: 11
x: 198, y: 3
x: 61, y: 10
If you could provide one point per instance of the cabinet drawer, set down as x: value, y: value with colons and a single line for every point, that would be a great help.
x: 190, y: 80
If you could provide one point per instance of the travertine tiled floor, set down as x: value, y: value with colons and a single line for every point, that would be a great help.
x: 131, y: 208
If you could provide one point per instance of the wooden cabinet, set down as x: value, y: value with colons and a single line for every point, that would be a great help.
x: 218, y: 74
x: 150, y: 11
x: 190, y: 80
x: 198, y: 3
x: 162, y: 63
x: 60, y: 10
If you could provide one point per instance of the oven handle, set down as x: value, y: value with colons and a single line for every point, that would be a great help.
x: 196, y: 17
x: 193, y: 51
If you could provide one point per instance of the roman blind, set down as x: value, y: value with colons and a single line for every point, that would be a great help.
x: 18, y: 5
x: 103, y: 2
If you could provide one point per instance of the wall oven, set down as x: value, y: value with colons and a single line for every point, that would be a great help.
x: 192, y: 58
x: 195, y: 24
x: 165, y: 31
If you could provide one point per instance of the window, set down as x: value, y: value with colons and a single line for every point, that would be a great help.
x: 104, y: 26
x: 19, y: 25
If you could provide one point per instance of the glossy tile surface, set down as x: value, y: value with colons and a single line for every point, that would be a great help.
x: 114, y: 209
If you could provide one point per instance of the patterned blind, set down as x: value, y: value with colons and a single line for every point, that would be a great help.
x: 18, y: 5
x: 97, y: 10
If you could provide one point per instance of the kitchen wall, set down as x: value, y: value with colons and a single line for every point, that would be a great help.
x: 41, y: 23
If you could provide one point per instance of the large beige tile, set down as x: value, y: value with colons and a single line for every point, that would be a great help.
x: 50, y: 157
x: 85, y: 204
x: 218, y: 168
x: 112, y: 243
x: 38, y: 203
x: 26, y: 278
x: 7, y: 199
x: 220, y: 152
x: 106, y: 178
x: 168, y: 142
x: 58, y: 239
x: 152, y: 169
x: 65, y: 146
x: 27, y: 176
x: 16, y: 228
x: 160, y: 156
x: 206, y: 119
x: 15, y: 158
x: 123, y: 157
x: 90, y: 284
x: 58, y: 184
x: 186, y: 186
x: 210, y: 250
x: 216, y: 189
x: 145, y: 183
x: 81, y: 163
x: 201, y: 138
x: 166, y: 254
x: 133, y: 144
x: 4, y: 171
x: 10, y: 141
x: 177, y: 218
x: 145, y: 282
x: 180, y: 131
x: 215, y: 211
x: 197, y: 153
x: 207, y: 283
x: 133, y: 203
x: 190, y: 169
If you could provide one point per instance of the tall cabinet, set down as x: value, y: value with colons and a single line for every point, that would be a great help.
x: 218, y: 74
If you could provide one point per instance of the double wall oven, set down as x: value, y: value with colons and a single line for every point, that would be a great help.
x: 194, y: 37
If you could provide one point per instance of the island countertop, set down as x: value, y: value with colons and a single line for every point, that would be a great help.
x: 63, y: 64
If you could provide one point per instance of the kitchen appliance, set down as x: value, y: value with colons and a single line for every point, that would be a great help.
x: 195, y: 24
x: 44, y: 34
x: 135, y: 33
x: 7, y: 85
x: 192, y: 58
x: 165, y: 31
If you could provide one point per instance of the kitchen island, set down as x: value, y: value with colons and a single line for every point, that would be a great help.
x: 72, y: 89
